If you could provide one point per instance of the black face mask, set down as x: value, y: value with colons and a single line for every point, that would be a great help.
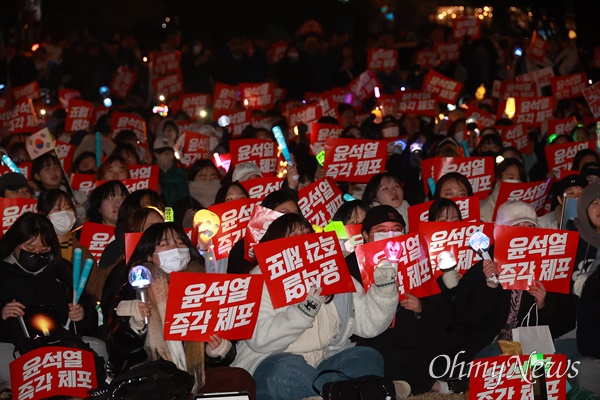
x: 88, y: 172
x: 34, y: 262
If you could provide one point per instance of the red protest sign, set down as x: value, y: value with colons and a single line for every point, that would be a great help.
x: 560, y: 156
x: 446, y: 89
x: 533, y: 110
x: 5, y: 103
x: 319, y: 133
x: 143, y: 171
x: 169, y: 85
x: 592, y: 96
x: 469, y: 211
x: 234, y: 216
x: 382, y: 59
x: 561, y: 126
x: 96, y: 237
x: 238, y: 121
x: 196, y: 146
x: 292, y: 265
x: 79, y: 116
x: 449, y: 52
x: 482, y: 118
x: 259, y: 188
x: 122, y: 82
x: 137, y: 184
x: 28, y: 91
x: 201, y: 305
x: 13, y: 208
x: 453, y: 237
x: 276, y: 52
x: 25, y: 168
x: 478, y: 170
x: 83, y: 182
x: 534, y: 193
x: 542, y: 77
x: 120, y: 121
x: 517, y: 89
x: 319, y: 201
x: 414, y: 272
x: 259, y: 151
x: 426, y: 58
x: 225, y: 98
x: 537, y: 47
x: 65, y: 153
x: 325, y: 106
x: 527, y: 254
x: 354, y: 160
x: 165, y: 62
x: 340, y: 95
x: 98, y: 112
x: 131, y: 241
x: 257, y: 226
x: 258, y: 96
x: 65, y: 95
x: 569, y: 86
x: 51, y: 371
x: 466, y: 26
x: 426, y: 107
x: 516, y: 136
x: 192, y: 104
x: 23, y: 118
x: 362, y: 87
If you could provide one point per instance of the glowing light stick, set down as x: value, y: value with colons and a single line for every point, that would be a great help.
x: 446, y: 261
x: 393, y: 252
x: 76, y: 272
x: 98, y: 148
x: 282, y: 144
x: 140, y: 279
x: 480, y: 243
x: 11, y: 164
x: 207, y: 224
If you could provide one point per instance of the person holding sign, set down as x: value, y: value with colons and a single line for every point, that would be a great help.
x: 386, y: 189
x: 165, y: 248
x: 509, y: 170
x: 451, y: 185
x: 291, y: 345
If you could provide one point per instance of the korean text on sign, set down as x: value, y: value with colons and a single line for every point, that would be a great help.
x: 319, y: 201
x: 234, y: 216
x: 354, y: 160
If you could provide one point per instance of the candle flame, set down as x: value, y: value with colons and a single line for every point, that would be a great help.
x: 43, y: 323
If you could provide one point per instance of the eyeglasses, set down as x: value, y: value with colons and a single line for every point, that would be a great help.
x: 386, y: 229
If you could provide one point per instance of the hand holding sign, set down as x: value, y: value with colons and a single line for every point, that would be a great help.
x: 312, y: 304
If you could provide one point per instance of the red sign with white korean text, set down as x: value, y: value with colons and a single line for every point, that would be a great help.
x: 354, y: 160
x: 592, y: 96
x: 53, y: 371
x: 319, y: 133
x: 65, y: 153
x: 201, y: 305
x: 562, y: 126
x: 426, y: 107
x: 449, y: 52
x: 259, y: 188
x: 28, y: 91
x: 383, y: 59
x: 527, y: 254
x: 516, y: 136
x: 96, y: 237
x: 23, y: 118
x: 537, y: 47
x: 426, y: 58
x: 511, y: 377
x: 122, y: 82
x: 133, y: 185
x: 478, y: 170
x: 258, y: 96
x: 453, y: 237
x: 276, y: 52
x: 169, y: 85
x: 560, y: 156
x: 234, y: 216
x: 98, y: 112
x: 120, y: 121
x: 533, y: 110
x: 414, y: 272
x: 446, y: 89
x: 83, y: 182
x: 319, y: 201
x: 516, y: 89
x: 569, y: 86
x: 260, y: 151
x: 225, y: 99
x: 65, y: 95
x: 469, y: 211
x: 79, y: 116
x: 25, y: 168
x: 534, y: 193
x: 166, y: 62
x: 340, y: 95
x: 257, y: 226
x: 292, y: 265
x: 196, y: 146
x: 363, y: 86
x: 13, y: 208
x: 238, y: 121
x: 542, y: 77
x: 143, y: 171
x: 483, y: 118
x: 466, y: 26
x: 325, y: 106
x: 192, y: 104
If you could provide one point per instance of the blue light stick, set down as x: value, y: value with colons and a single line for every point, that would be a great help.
x: 431, y: 184
x: 465, y: 148
x: 11, y: 164
x: 98, y: 148
x: 84, y: 277
x: 282, y: 144
x: 76, y: 272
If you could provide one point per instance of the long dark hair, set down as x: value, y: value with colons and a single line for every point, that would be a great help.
x: 458, y: 177
x: 277, y: 198
x: 102, y: 192
x: 439, y: 206
x: 45, y: 160
x: 284, y: 225
x: 222, y: 192
x: 373, y: 186
x: 49, y: 198
x: 509, y: 162
x: 344, y: 213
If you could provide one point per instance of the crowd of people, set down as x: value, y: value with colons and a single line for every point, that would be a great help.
x: 368, y: 332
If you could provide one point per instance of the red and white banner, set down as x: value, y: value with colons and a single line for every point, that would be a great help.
x: 453, y: 237
x: 325, y: 106
x: 363, y: 86
x: 143, y: 171
x: 52, y: 371
x: 202, y: 305
x: 569, y: 86
x: 469, y: 211
x: 196, y: 146
x: 319, y: 201
x: 96, y: 237
x: 515, y: 88
x: 122, y: 82
x: 239, y: 120
x: 562, y: 126
x: 447, y: 52
x: 537, y: 48
x: 533, y: 110
x: 257, y: 226
x: 542, y: 77
x: 426, y: 107
x: 131, y: 241
x: 292, y: 265
x: 259, y: 188
x: 560, y: 156
x: 234, y: 216
x: 120, y: 121
x: 482, y: 118
x: 592, y: 96
x: 276, y: 52
x: 65, y: 153
x: 426, y: 58
x: 169, y: 85
x: 29, y: 91
x: 354, y: 160
x: 446, y: 89
x: 515, y: 136
x: 225, y: 98
x: 466, y: 26
x: 23, y: 118
x: 192, y: 104
x: 382, y: 59
x: 83, y: 182
x: 13, y: 208
x: 527, y: 254
x: 319, y: 133
x: 478, y: 170
x: 534, y: 193
x: 79, y: 116
x: 260, y: 151
x: 166, y: 62
x: 258, y: 96
x: 65, y: 95
x: 414, y: 271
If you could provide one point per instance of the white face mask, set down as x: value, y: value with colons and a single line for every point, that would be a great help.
x: 377, y: 236
x: 174, y: 260
x: 62, y: 221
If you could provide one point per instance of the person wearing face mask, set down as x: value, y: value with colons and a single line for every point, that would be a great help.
x: 510, y: 170
x: 32, y: 273
x: 164, y: 248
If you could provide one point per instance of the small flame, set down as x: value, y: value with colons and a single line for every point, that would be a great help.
x: 43, y: 323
